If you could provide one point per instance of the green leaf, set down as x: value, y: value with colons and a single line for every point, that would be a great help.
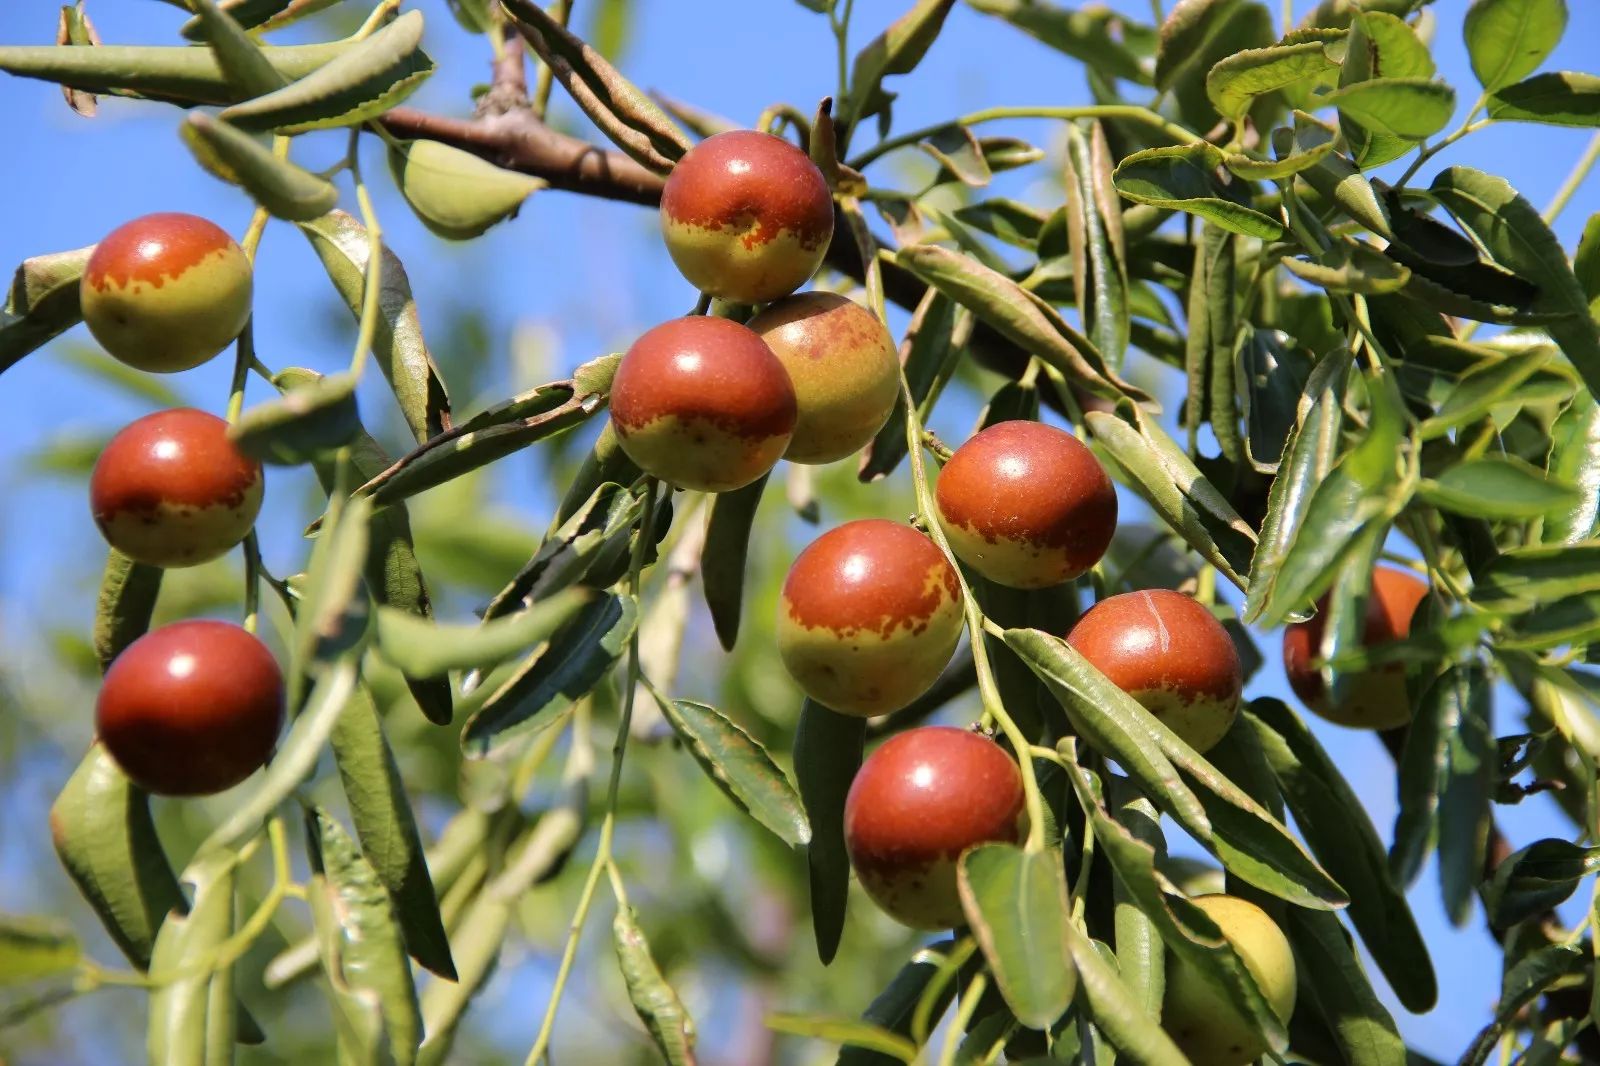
x: 957, y: 151
x: 430, y: 649
x: 1197, y: 35
x: 42, y: 302
x: 362, y: 950
x: 581, y: 544
x: 724, y: 556
x: 35, y: 948
x: 1334, y: 177
x: 1508, y: 39
x: 387, y: 830
x: 1335, y: 826
x: 191, y: 1017
x: 827, y: 754
x: 1115, y: 1010
x: 456, y: 194
x: 360, y: 84
x: 1524, y: 983
x: 1183, y: 177
x: 333, y: 620
x: 653, y: 999
x: 1340, y: 992
x: 1560, y: 98
x: 1535, y: 879
x: 925, y: 983
x: 1141, y: 955
x: 1099, y: 255
x: 1497, y: 487
x: 1467, y: 791
x: 240, y: 58
x: 847, y: 1031
x: 1274, y: 373
x: 1514, y: 234
x: 575, y: 659
x: 341, y: 242
x: 1011, y: 221
x: 627, y: 117
x: 1236, y: 82
x: 1575, y: 459
x: 285, y: 190
x: 1586, y: 262
x: 1481, y: 388
x: 1406, y: 108
x: 740, y: 767
x: 263, y: 16
x: 1016, y: 902
x: 897, y: 50
x: 930, y: 352
x: 128, y: 592
x: 307, y: 422
x: 1352, y: 266
x: 1097, y: 37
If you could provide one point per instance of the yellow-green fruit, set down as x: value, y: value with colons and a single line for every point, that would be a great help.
x: 845, y: 371
x: 166, y: 292
x: 1200, y: 1017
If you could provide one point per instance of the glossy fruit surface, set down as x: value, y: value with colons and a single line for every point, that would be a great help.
x: 1200, y: 1017
x: 166, y: 292
x: 870, y: 613
x: 844, y: 367
x: 1376, y: 699
x: 1026, y: 505
x: 1171, y: 654
x: 191, y: 708
x: 747, y: 216
x: 918, y: 802
x: 172, y: 490
x: 702, y: 403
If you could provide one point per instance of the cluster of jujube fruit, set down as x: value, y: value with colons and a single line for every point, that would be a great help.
x: 872, y: 611
x: 194, y: 707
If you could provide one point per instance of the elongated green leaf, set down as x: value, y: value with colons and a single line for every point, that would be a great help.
x: 341, y: 242
x: 827, y: 754
x: 1183, y: 177
x: 740, y: 767
x: 1424, y: 763
x: 1560, y: 98
x: 1141, y: 957
x: 1352, y: 267
x: 33, y: 948
x: 847, y: 1031
x: 361, y: 83
x: 1528, y: 576
x: 1195, y: 36
x: 723, y: 559
x: 305, y: 423
x: 1508, y: 39
x: 1489, y: 383
x: 260, y: 15
x: 191, y: 1017
x: 1234, y: 83
x: 128, y: 592
x: 1340, y: 992
x: 653, y: 999
x: 285, y: 190
x: 42, y: 302
x: 1407, y: 108
x: 1016, y: 903
x: 1098, y: 37
x: 1116, y: 1012
x: 1575, y: 459
x: 334, y: 618
x: 240, y: 58
x: 571, y: 551
x: 362, y: 948
x: 1336, y: 828
x: 456, y: 194
x: 1099, y: 256
x: 628, y: 117
x: 1517, y: 238
x: 1465, y: 804
x: 1537, y: 878
x: 1497, y: 487
x: 426, y: 649
x: 575, y: 659
x: 1524, y: 983
x: 924, y: 983
x: 387, y: 830
x: 897, y: 50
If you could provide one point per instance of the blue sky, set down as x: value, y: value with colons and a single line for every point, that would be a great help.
x: 587, y: 276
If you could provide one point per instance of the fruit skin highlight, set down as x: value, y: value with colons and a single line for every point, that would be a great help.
x: 191, y: 708
x: 747, y: 216
x: 845, y: 370
x: 1199, y: 1017
x: 166, y: 292
x: 870, y: 614
x: 1171, y: 654
x: 1026, y: 505
x: 919, y: 801
x: 1376, y: 699
x: 703, y: 404
x: 171, y: 490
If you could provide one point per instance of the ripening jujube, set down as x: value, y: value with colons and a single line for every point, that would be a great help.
x: 1374, y: 699
x: 747, y: 216
x: 191, y: 708
x: 166, y: 292
x: 842, y: 362
x: 870, y: 614
x: 1200, y: 1017
x: 1171, y: 654
x: 920, y: 800
x: 703, y: 404
x: 170, y: 489
x: 1026, y: 505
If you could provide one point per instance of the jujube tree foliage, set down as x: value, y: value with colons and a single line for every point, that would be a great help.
x: 1220, y: 212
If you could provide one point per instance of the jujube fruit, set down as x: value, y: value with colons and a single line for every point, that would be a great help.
x: 844, y: 367
x: 166, y: 292
x: 1171, y: 654
x: 1200, y: 1017
x: 746, y: 216
x: 702, y: 403
x: 919, y: 801
x: 191, y: 708
x: 1026, y: 505
x: 172, y: 490
x: 870, y: 613
x: 1377, y: 698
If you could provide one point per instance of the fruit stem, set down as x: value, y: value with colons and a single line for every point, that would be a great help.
x: 372, y: 286
x: 561, y: 11
x: 602, y: 855
x: 252, y: 581
x: 1130, y: 112
x: 1580, y: 171
x: 964, y: 1013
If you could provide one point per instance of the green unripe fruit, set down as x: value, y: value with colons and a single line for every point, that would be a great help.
x: 870, y: 614
x: 1200, y: 1017
x: 844, y: 367
x: 166, y: 292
